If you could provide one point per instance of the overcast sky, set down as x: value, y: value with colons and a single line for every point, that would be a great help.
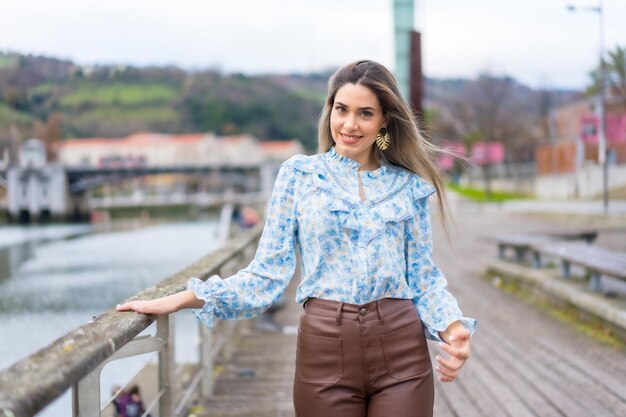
x: 536, y: 41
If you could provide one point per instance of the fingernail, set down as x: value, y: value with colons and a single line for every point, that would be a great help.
x: 452, y: 337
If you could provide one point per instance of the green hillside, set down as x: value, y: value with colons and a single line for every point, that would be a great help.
x: 8, y: 115
x: 112, y: 101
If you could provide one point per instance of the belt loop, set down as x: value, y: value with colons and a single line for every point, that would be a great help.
x: 339, y: 307
x: 380, y: 319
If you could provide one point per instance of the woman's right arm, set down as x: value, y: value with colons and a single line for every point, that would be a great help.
x: 253, y: 289
x: 164, y: 305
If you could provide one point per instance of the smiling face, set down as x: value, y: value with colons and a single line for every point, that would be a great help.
x: 355, y: 120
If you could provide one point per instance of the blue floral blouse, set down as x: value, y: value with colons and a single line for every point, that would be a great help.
x: 352, y: 251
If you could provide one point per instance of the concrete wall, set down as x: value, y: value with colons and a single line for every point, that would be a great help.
x: 586, y: 183
x: 518, y: 178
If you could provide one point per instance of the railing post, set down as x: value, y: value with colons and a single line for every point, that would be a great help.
x: 228, y: 327
x: 108, y: 337
x: 86, y: 395
x: 167, y: 366
x: 206, y: 361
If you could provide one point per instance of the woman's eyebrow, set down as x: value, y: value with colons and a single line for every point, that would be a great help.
x: 360, y: 108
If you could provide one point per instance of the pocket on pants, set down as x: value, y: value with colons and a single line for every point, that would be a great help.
x: 319, y: 359
x: 406, y: 352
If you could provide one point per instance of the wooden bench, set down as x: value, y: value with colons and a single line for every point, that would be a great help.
x: 524, y: 242
x: 596, y: 260
x: 520, y: 243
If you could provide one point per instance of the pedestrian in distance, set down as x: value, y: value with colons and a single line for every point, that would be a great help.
x: 359, y: 213
x: 129, y: 403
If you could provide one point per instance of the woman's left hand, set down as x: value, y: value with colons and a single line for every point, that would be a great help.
x: 457, y: 344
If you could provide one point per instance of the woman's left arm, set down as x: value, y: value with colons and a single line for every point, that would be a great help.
x: 438, y: 309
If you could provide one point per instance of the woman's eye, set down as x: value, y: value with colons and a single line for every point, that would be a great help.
x: 367, y: 113
x: 340, y: 109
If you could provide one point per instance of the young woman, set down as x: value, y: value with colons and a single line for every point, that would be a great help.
x: 359, y: 213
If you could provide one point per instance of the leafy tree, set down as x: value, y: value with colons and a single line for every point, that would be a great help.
x: 615, y: 73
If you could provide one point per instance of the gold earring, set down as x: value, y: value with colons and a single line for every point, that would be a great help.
x: 383, y: 138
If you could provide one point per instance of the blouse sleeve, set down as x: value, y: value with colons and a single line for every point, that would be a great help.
x: 255, y: 288
x: 436, y: 306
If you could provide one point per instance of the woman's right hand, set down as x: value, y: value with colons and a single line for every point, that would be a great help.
x: 164, y: 305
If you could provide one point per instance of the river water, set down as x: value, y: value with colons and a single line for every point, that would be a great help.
x: 55, y: 278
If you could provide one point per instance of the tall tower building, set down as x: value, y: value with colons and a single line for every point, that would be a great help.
x: 403, y: 11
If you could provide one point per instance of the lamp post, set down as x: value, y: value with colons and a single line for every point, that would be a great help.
x: 601, y: 134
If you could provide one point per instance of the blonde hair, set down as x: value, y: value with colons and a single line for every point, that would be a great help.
x: 408, y: 148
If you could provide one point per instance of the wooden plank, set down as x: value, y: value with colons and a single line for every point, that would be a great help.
x: 540, y: 369
x: 603, y: 366
x: 458, y: 400
x: 442, y: 403
x: 523, y: 241
x: 475, y: 386
x: 510, y: 318
x: 526, y: 389
x: 587, y: 235
x: 592, y: 257
x: 508, y: 400
x: 606, y: 373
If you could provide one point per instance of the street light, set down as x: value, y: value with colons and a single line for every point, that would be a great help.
x: 601, y: 136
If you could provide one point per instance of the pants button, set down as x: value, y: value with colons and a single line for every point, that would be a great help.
x: 363, y: 311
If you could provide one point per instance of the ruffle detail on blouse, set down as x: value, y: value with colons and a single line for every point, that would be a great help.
x: 215, y: 295
x: 365, y: 220
x: 304, y: 163
x: 421, y: 188
x: 344, y: 160
x: 368, y: 221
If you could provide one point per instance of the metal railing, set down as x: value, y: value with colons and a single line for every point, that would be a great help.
x: 76, y: 359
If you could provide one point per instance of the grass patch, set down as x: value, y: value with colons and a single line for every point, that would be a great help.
x: 479, y: 195
x: 8, y: 116
x: 7, y: 60
x: 570, y: 315
x: 124, y: 115
x: 44, y: 88
x: 119, y: 94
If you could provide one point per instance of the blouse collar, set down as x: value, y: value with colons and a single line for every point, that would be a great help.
x: 338, y: 160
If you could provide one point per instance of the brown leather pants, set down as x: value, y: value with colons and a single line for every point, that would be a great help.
x: 362, y: 360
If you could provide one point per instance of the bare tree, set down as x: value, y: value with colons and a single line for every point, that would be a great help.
x: 484, y: 113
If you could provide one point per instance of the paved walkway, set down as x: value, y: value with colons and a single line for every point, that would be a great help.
x: 596, y: 208
x: 524, y: 363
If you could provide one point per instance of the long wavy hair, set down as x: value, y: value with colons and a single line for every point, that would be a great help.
x: 408, y: 148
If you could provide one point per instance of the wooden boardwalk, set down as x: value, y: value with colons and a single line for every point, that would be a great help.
x: 524, y: 363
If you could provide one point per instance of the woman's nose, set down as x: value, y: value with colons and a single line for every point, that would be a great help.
x: 350, y: 122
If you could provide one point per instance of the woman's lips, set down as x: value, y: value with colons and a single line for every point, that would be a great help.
x: 350, y: 139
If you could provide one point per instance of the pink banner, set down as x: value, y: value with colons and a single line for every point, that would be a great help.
x: 615, y: 128
x: 446, y: 161
x: 483, y: 153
